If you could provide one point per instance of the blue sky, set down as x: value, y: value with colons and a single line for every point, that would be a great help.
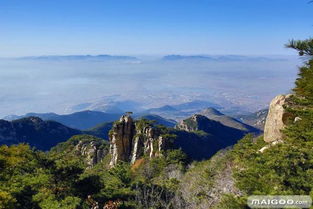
x: 151, y: 27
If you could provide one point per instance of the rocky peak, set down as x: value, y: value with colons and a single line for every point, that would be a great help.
x: 195, y: 123
x: 276, y: 118
x: 131, y: 140
x: 211, y: 112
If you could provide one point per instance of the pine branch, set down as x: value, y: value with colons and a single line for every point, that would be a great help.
x: 304, y: 47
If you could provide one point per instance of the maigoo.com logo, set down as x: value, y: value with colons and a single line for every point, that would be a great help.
x: 280, y: 201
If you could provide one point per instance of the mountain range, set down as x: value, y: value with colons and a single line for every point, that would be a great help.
x: 180, y: 111
x: 101, y: 57
x: 200, y: 135
x: 78, y: 120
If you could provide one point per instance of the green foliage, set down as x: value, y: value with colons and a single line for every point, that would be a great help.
x: 201, y: 133
x: 304, y: 84
x: 286, y: 168
x: 175, y: 156
x: 143, y: 123
x: 229, y: 201
x: 200, y: 182
x: 304, y: 47
x: 32, y: 179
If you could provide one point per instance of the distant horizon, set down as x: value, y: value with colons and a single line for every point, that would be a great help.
x: 292, y: 54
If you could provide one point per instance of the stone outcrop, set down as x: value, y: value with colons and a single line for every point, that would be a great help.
x: 130, y: 140
x: 276, y: 118
x: 121, y: 139
x: 92, y: 151
x: 192, y: 123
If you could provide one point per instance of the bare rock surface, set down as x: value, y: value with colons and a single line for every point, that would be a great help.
x: 130, y: 140
x: 275, y: 119
x: 92, y: 151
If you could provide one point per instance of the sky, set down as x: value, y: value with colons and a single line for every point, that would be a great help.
x: 152, y: 27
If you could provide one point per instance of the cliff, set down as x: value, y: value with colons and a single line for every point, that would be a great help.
x: 131, y: 140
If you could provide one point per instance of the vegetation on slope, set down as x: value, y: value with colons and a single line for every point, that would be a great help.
x: 286, y: 168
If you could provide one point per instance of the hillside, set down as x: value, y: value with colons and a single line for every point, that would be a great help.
x: 256, y: 119
x: 200, y: 137
x: 34, y: 131
x: 87, y: 150
x: 214, y: 114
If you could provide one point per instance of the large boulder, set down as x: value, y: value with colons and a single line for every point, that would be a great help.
x: 276, y: 118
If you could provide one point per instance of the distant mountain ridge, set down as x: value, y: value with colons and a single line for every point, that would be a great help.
x: 180, y: 111
x: 215, y: 115
x: 102, y: 57
x: 79, y: 120
x: 222, y: 58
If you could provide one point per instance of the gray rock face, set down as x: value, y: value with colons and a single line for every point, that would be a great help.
x: 275, y: 118
x: 93, y: 152
x: 121, y: 139
x: 130, y: 141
